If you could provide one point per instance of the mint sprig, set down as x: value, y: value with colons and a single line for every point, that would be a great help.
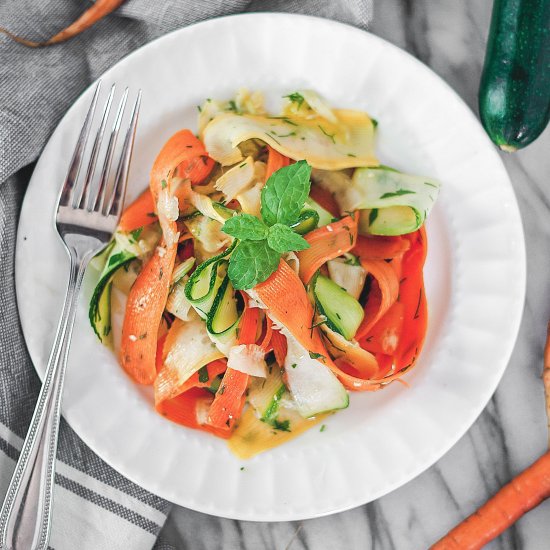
x: 262, y: 241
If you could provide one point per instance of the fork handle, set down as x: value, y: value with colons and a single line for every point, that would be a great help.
x: 25, y: 517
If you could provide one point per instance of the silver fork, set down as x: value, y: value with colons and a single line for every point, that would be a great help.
x: 86, y: 218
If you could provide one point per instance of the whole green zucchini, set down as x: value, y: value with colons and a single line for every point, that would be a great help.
x: 514, y: 94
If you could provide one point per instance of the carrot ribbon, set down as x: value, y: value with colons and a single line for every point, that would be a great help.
x: 149, y: 293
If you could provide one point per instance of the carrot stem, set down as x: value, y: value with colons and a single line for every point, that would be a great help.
x: 516, y: 498
x: 92, y: 15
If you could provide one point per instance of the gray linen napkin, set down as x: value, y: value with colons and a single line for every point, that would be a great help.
x: 95, y: 507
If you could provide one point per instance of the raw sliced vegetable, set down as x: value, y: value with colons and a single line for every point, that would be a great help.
x: 378, y: 303
x: 275, y: 161
x: 307, y: 104
x: 139, y: 213
x: 413, y: 297
x: 186, y: 350
x: 149, y: 293
x: 398, y: 203
x: 177, y: 303
x: 248, y: 359
x: 265, y: 394
x: 325, y: 199
x: 205, y: 281
x: 222, y: 319
x: 353, y: 354
x: 341, y: 311
x: 99, y: 311
x: 348, y: 143
x: 313, y: 386
x: 230, y: 397
x: 307, y: 222
x: 348, y: 274
x: 237, y: 179
x: 208, y: 234
x: 380, y: 248
x: 327, y: 243
x: 144, y: 310
x: 325, y: 217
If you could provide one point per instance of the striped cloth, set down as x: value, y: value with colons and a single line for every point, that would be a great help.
x: 95, y: 507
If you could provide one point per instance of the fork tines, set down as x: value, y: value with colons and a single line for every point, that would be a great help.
x: 100, y: 197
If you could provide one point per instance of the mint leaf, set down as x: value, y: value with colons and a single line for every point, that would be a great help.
x: 282, y: 239
x: 251, y: 263
x: 245, y: 227
x: 285, y: 193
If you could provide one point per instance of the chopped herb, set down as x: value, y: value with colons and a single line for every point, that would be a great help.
x: 199, y: 108
x: 331, y: 136
x: 151, y: 215
x: 418, y: 306
x: 222, y: 389
x: 232, y: 106
x: 337, y: 314
x: 142, y: 336
x: 227, y: 423
x: 352, y: 261
x: 163, y: 184
x: 294, y: 365
x: 373, y: 215
x: 203, y: 375
x: 398, y: 193
x: 242, y: 165
x: 352, y: 155
x: 296, y: 97
x: 284, y: 119
x: 283, y: 426
x: 242, y: 468
x: 374, y: 122
x: 314, y: 355
x: 430, y: 184
x: 283, y: 135
x: 318, y: 324
x: 278, y: 142
x: 323, y: 428
x: 136, y: 233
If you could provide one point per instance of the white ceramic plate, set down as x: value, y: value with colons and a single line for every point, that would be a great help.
x: 475, y: 273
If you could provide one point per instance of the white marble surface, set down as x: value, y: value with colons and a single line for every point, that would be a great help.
x: 449, y: 36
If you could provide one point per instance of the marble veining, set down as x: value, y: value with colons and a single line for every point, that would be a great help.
x: 450, y: 37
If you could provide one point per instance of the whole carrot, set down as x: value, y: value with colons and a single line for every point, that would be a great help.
x: 522, y: 494
x: 92, y: 15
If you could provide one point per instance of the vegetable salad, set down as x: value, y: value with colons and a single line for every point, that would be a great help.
x: 272, y: 266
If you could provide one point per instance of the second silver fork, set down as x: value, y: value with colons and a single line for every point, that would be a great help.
x: 86, y: 218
